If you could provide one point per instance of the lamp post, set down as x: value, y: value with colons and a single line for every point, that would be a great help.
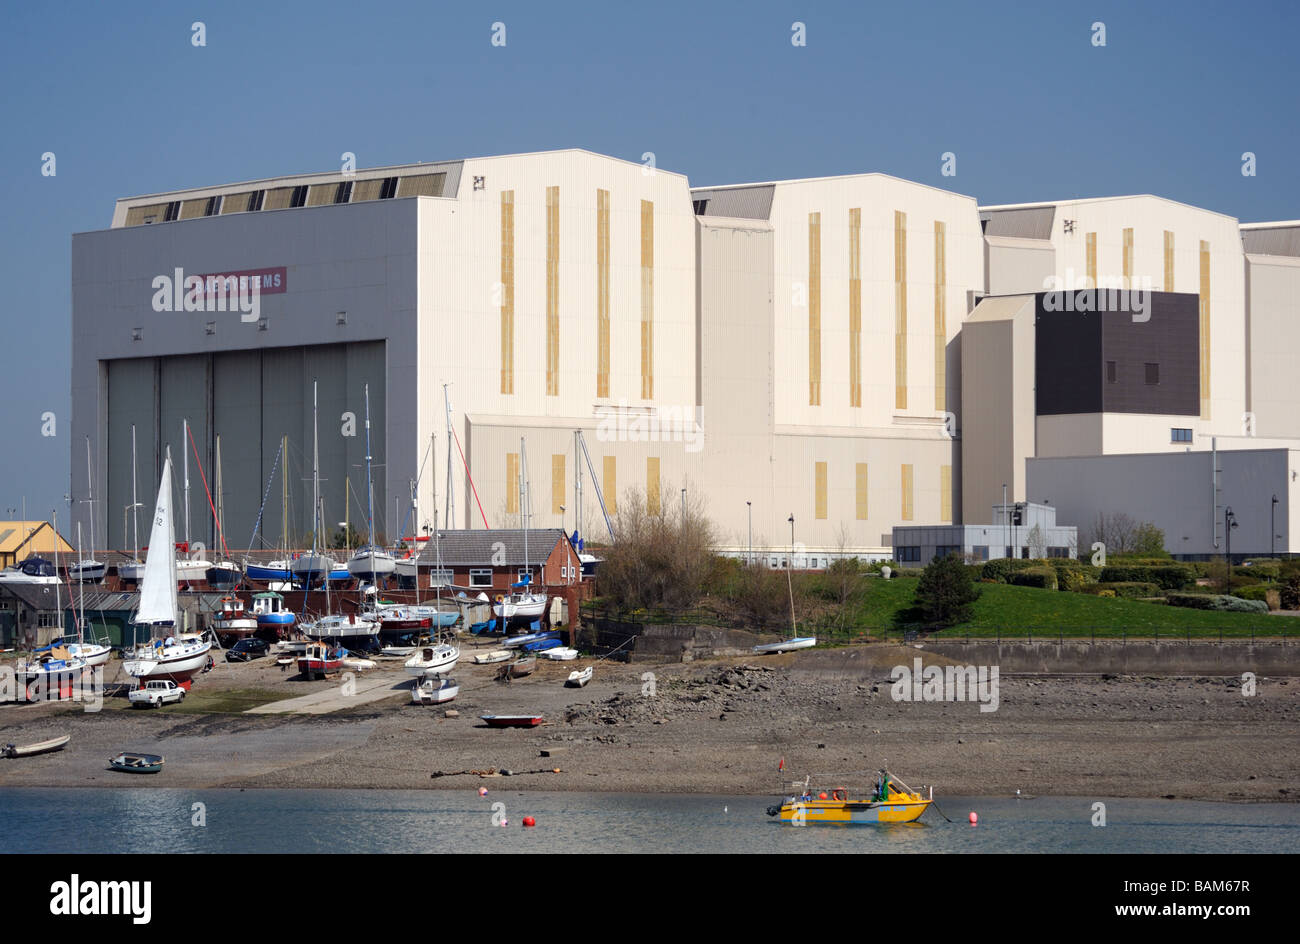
x: 1272, y: 529
x: 749, y: 555
x: 1229, y: 522
x: 789, y: 579
x: 1007, y: 519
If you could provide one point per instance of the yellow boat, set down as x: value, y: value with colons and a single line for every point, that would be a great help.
x: 892, y: 802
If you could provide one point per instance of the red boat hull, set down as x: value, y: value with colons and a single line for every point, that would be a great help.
x: 512, y: 721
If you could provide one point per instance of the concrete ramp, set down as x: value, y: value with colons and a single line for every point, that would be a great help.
x: 363, y: 690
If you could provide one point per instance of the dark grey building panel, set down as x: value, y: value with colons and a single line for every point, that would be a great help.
x: 1096, y: 353
x: 746, y: 203
x: 1026, y: 223
x: 1278, y: 241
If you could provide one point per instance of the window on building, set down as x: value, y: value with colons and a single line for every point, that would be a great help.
x: 910, y: 553
x: 213, y: 206
x: 522, y: 575
x: 1180, y: 435
x: 255, y: 200
x: 173, y: 211
x: 980, y: 552
x: 943, y: 550
x: 299, y: 196
x: 1024, y: 553
x: 1152, y: 373
x: 480, y: 577
x: 700, y: 206
x: 344, y: 194
x: 1058, y: 552
x: 1007, y: 552
x: 1112, y: 372
x: 440, y: 578
x: 389, y: 188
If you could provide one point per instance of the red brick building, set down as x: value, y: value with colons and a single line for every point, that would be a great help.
x: 493, y: 560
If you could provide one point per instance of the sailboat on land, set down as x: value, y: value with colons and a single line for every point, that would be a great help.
x: 370, y: 562
x: 225, y: 573
x: 314, y: 566
x: 93, y: 653
x: 523, y: 604
x: 88, y: 570
x: 55, y: 668
x: 189, y: 570
x: 132, y: 570
x: 168, y: 655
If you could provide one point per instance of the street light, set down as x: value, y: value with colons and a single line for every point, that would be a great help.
x: 1229, y: 522
x: 788, y: 579
x: 1272, y: 530
x: 749, y: 555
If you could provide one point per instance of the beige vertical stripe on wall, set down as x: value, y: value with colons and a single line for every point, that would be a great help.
x: 1169, y: 261
x: 1128, y: 257
x: 609, y: 484
x: 552, y: 291
x: 860, y: 490
x: 1205, y: 330
x: 907, y: 493
x: 193, y: 209
x: 855, y: 306
x: 135, y: 216
x: 652, y: 503
x: 512, y: 483
x: 820, y: 473
x: 814, y: 309
x: 900, y: 310
x: 1091, y: 263
x: 557, y: 483
x: 940, y: 315
x: 945, y: 493
x: 507, y: 291
x: 602, y: 293
x: 647, y: 299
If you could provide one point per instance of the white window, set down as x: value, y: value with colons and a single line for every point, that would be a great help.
x: 441, y: 578
x: 480, y: 577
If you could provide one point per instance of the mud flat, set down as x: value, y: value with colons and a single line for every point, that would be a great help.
x: 718, y: 726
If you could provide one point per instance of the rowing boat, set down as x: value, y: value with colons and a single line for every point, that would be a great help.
x: 511, y: 721
x: 40, y: 747
x: 886, y: 804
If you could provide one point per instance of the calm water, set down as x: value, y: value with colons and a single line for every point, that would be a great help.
x: 159, y: 820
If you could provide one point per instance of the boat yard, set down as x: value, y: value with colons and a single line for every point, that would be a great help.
x: 717, y: 725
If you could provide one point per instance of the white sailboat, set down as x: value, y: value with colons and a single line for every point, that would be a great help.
x: 370, y: 562
x: 442, y: 657
x: 173, y: 656
x: 54, y: 665
x: 94, y: 653
x: 224, y: 574
x: 522, y: 603
x: 88, y: 570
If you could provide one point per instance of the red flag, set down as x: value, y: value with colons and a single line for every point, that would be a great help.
x: 781, y: 766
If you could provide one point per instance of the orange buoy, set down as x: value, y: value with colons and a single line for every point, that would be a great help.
x: 973, y: 818
x: 529, y: 821
x: 822, y: 795
x: 482, y: 791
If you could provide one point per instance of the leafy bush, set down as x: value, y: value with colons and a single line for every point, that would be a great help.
x: 1269, y: 595
x: 1261, y: 569
x: 1042, y: 577
x: 1166, y: 576
x: 1076, y: 580
x: 1291, y: 594
x: 1001, y: 568
x: 1106, y: 593
x: 875, y: 566
x: 1133, y: 590
x: 1204, y: 601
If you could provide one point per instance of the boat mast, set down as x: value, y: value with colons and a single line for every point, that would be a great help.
x: 370, y: 487
x: 315, y: 473
x: 577, y: 488
x: 58, y: 581
x: 90, y: 502
x: 523, y: 505
x: 81, y: 586
x: 135, y: 504
x: 220, y: 509
x: 185, y: 456
x: 284, y: 497
x: 450, y: 516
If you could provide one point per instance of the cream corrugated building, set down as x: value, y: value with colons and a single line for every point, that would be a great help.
x: 787, y: 348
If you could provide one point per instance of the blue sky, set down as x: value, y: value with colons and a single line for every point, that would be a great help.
x: 1031, y: 108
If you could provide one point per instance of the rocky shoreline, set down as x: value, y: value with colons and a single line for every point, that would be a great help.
x: 719, y: 726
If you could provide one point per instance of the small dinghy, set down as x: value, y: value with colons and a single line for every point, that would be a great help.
x: 522, y: 667
x: 402, y: 651
x: 40, y: 747
x: 511, y: 721
x: 358, y: 665
x: 578, y: 678
x: 137, y: 763
x: 495, y: 655
x: 434, y: 691
x: 562, y: 654
x: 787, y: 645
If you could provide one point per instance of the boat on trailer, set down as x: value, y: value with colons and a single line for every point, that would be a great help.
x: 892, y: 801
x: 434, y: 690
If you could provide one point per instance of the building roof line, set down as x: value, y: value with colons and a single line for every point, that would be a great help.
x: 1128, y: 196
x: 809, y: 180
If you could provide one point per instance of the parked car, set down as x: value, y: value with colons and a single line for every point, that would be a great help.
x: 156, y: 693
x: 245, y: 649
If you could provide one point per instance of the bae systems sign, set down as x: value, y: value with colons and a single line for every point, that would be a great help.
x: 219, y: 291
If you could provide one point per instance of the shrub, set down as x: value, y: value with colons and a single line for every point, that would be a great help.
x: 946, y: 592
x: 1264, y: 569
x: 1106, y: 593
x: 1076, y: 580
x: 1269, y: 595
x: 1290, y: 595
x: 1166, y: 576
x: 1042, y: 577
x: 1202, y: 601
x: 875, y: 566
x: 1002, y: 568
x: 1133, y: 590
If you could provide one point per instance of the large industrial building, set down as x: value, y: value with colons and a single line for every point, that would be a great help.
x: 859, y: 352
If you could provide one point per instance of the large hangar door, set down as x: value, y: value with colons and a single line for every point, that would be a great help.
x: 130, y: 400
x: 237, y: 419
x: 286, y: 411
x: 183, y: 395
